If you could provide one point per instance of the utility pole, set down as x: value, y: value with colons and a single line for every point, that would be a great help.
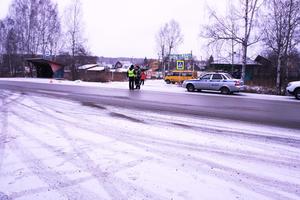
x: 192, y: 60
x: 232, y: 57
x: 163, y: 61
x: 232, y: 53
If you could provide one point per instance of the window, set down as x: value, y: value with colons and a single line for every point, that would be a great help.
x: 206, y: 77
x: 217, y: 77
x: 224, y: 77
x: 228, y: 76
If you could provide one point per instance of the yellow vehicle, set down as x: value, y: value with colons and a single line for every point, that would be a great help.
x: 178, y: 76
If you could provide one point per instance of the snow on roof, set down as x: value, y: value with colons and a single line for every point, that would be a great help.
x: 123, y: 69
x: 97, y: 68
x: 88, y: 66
x: 126, y: 64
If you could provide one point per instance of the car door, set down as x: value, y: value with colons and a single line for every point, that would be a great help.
x: 216, y: 82
x: 203, y: 82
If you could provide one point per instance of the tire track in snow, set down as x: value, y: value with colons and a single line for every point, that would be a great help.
x: 4, y: 124
x: 146, y: 144
x: 108, y: 171
x: 242, y: 155
x: 54, y: 180
x: 92, y: 168
x: 3, y: 135
x: 227, y: 172
x: 40, y: 170
x: 87, y: 163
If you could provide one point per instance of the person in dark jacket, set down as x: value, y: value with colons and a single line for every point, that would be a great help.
x: 131, y: 77
x: 138, y: 74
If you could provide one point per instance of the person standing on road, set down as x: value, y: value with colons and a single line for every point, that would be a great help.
x: 138, y: 77
x: 131, y: 76
x: 143, y: 77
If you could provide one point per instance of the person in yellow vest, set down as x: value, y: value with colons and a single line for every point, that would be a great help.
x: 131, y: 77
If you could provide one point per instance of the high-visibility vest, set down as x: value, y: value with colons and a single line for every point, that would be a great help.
x: 131, y: 73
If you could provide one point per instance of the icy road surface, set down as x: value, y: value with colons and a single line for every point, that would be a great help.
x: 53, y: 148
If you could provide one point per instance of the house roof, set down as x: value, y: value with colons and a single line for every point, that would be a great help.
x: 262, y: 60
x: 41, y: 61
x: 237, y: 60
x: 97, y: 68
x: 88, y: 66
x: 92, y: 67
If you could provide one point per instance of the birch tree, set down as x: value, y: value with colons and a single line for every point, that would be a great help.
x: 236, y: 26
x: 74, y: 33
x: 8, y: 42
x: 282, y: 33
x: 49, y: 28
x: 36, y: 24
x: 2, y: 36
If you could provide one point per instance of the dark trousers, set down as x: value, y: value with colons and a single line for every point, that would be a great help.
x: 131, y: 83
x: 142, y: 81
x: 137, y: 83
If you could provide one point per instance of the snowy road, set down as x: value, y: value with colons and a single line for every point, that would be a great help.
x: 280, y: 111
x: 52, y: 148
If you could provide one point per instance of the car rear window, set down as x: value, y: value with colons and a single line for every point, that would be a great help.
x: 228, y: 76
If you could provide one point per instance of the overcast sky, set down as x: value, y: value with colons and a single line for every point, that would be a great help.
x: 128, y: 27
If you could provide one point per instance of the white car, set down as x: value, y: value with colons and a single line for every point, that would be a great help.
x: 294, y: 89
x: 222, y: 82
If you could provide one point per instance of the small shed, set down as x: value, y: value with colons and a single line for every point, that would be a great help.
x: 47, y: 68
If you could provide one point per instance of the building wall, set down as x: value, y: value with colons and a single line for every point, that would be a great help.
x: 98, y: 76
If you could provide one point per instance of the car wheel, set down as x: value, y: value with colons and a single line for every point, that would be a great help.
x: 297, y: 93
x: 168, y: 81
x: 225, y: 90
x: 190, y: 87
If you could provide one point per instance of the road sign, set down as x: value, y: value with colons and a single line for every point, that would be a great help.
x: 180, y: 64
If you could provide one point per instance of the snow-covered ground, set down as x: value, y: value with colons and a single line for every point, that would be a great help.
x: 52, y: 148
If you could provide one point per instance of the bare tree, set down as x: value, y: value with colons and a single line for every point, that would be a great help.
x: 2, y: 36
x: 174, y: 37
x: 161, y: 41
x: 36, y: 23
x: 237, y: 27
x: 31, y: 27
x: 49, y: 27
x: 281, y: 33
x: 74, y: 33
x: 8, y: 43
x: 168, y: 38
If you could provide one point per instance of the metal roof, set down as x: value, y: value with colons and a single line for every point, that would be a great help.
x: 237, y: 60
x: 42, y: 61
